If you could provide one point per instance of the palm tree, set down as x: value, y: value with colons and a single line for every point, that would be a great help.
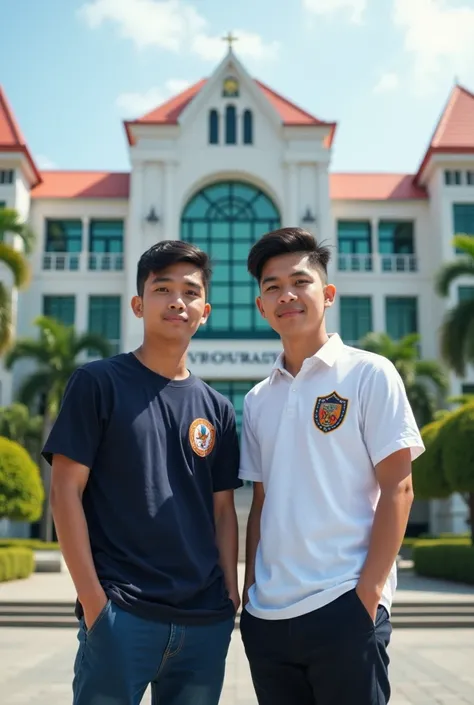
x: 57, y: 354
x: 424, y: 380
x: 16, y: 262
x: 457, y: 332
x: 18, y: 425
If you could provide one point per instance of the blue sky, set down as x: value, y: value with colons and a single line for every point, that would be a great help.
x: 383, y: 69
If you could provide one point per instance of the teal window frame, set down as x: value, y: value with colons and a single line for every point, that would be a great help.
x: 213, y: 127
x: 235, y: 391
x: 64, y: 236
x: 248, y: 127
x: 463, y: 220
x: 396, y: 237
x: 465, y: 293
x: 225, y: 219
x: 62, y: 308
x: 105, y: 318
x: 106, y: 237
x: 231, y: 124
x: 401, y: 316
x: 354, y: 237
x: 355, y: 317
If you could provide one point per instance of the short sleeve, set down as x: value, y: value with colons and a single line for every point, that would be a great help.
x: 388, y: 421
x: 77, y: 430
x: 250, y: 457
x: 225, y: 473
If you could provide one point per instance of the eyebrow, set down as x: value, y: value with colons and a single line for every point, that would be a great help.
x: 187, y: 280
x: 299, y: 273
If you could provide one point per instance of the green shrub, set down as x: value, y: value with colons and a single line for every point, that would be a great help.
x: 448, y: 559
x: 16, y: 563
x: 21, y: 489
x: 32, y: 544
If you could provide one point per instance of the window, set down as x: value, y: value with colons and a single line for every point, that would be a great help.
x: 225, y: 219
x: 354, y: 245
x: 465, y: 293
x: 104, y: 319
x: 213, y: 127
x: 6, y: 176
x: 248, y: 127
x: 106, y: 244
x: 468, y: 388
x: 401, y: 316
x: 230, y: 125
x: 397, y: 243
x: 452, y: 178
x: 63, y: 237
x: 470, y: 178
x: 356, y: 318
x: 463, y: 218
x: 62, y: 308
x: 235, y: 391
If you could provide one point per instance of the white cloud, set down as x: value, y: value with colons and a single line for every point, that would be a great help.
x: 133, y: 105
x: 439, y: 39
x: 354, y: 9
x: 44, y: 162
x: 387, y: 83
x: 173, y: 25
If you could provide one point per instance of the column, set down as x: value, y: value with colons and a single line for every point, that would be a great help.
x: 133, y: 248
x: 171, y: 230
x: 81, y: 320
x: 374, y: 235
x: 84, y: 262
x: 290, y: 215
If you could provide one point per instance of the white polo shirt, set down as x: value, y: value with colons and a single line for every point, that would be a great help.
x: 313, y: 441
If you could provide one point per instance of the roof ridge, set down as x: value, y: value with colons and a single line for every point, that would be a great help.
x: 10, y: 118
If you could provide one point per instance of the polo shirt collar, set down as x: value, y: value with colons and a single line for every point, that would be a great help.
x: 328, y: 354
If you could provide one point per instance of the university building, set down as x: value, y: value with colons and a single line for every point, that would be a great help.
x: 218, y: 165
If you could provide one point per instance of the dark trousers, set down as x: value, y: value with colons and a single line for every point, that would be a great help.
x: 335, y: 655
x: 122, y: 654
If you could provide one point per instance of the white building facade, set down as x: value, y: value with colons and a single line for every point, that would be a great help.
x: 219, y: 165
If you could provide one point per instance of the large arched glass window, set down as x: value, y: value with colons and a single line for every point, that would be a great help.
x: 225, y: 219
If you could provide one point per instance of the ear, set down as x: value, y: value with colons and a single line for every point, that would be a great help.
x: 206, y: 314
x: 137, y: 306
x: 258, y: 301
x: 329, y: 295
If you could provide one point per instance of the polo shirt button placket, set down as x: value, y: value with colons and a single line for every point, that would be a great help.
x: 291, y: 407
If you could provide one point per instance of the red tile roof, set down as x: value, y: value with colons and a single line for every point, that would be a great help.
x: 454, y: 133
x: 169, y: 112
x: 11, y: 139
x: 374, y: 187
x: 83, y: 184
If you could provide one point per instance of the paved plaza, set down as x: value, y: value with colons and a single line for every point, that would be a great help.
x: 429, y: 667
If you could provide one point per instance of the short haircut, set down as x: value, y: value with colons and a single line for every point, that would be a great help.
x: 285, y: 241
x: 168, y: 252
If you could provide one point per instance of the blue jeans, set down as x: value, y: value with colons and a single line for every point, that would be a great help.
x: 122, y: 654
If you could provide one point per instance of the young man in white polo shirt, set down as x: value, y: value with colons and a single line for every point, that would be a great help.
x: 328, y: 440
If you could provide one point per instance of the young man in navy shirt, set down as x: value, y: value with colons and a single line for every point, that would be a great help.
x: 144, y: 466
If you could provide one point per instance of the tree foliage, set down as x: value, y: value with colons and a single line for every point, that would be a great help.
x: 21, y: 490
x: 429, y: 481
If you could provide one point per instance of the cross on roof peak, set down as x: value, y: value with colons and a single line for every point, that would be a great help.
x: 230, y: 39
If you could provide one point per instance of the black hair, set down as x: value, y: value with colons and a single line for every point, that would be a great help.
x: 283, y: 241
x: 168, y: 252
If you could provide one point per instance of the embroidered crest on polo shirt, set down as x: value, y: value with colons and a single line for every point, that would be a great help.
x: 202, y: 436
x: 329, y: 412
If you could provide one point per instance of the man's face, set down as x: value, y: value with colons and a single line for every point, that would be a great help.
x: 293, y: 297
x: 173, y: 305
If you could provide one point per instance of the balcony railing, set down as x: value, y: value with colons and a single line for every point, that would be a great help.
x: 399, y: 263
x: 106, y: 262
x: 75, y: 261
x: 62, y: 261
x: 378, y: 263
x: 355, y: 263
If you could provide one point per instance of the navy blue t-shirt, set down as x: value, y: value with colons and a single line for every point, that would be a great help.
x: 157, y: 450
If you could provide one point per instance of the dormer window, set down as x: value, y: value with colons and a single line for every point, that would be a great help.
x: 213, y: 127
x: 230, y: 125
x: 248, y: 127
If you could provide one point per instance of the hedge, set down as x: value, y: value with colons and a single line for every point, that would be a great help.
x: 448, y: 559
x: 32, y: 544
x: 16, y: 563
x: 21, y: 489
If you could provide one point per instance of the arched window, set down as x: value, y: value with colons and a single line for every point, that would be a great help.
x: 213, y: 127
x: 230, y: 125
x: 225, y: 219
x: 248, y: 127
